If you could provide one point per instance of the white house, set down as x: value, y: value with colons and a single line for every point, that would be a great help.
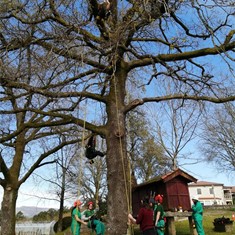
x: 211, y: 193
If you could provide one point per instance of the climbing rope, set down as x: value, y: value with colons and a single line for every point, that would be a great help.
x: 128, y: 194
x: 82, y: 152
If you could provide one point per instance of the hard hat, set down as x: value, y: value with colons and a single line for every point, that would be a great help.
x: 90, y: 203
x: 77, y: 203
x: 159, y: 198
x: 195, y: 197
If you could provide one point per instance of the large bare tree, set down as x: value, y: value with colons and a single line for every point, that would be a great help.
x: 82, y: 53
x: 218, y: 137
x: 147, y: 157
x: 59, y: 180
x: 175, y: 126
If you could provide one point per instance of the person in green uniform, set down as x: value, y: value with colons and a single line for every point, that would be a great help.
x: 159, y: 215
x: 97, y: 226
x: 76, y: 218
x: 89, y: 212
x: 197, y: 215
x: 93, y: 223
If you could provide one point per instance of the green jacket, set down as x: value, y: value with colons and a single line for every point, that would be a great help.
x: 197, y: 209
x: 88, y: 213
x: 157, y: 208
x: 75, y: 226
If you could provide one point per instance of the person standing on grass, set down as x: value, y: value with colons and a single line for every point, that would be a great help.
x: 144, y: 218
x: 76, y: 218
x: 197, y: 215
x: 159, y: 215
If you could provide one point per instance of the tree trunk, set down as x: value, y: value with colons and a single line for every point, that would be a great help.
x: 118, y: 190
x: 61, y: 209
x: 117, y: 163
x: 9, y: 211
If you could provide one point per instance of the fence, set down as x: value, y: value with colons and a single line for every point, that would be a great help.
x: 35, y: 228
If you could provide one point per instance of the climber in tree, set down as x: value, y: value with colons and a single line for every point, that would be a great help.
x: 91, y: 152
x: 104, y: 10
x: 100, y: 11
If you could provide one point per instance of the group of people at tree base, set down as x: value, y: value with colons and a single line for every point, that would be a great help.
x: 87, y: 217
x: 151, y: 216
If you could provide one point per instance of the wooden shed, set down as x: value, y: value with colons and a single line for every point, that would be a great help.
x: 173, y: 186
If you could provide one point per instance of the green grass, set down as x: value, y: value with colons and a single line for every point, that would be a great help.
x: 182, y: 227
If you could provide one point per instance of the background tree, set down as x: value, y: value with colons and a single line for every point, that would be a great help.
x: 20, y: 216
x: 93, y: 182
x: 28, y: 139
x: 218, y: 137
x: 77, y: 61
x: 175, y: 127
x: 147, y: 157
x: 45, y: 216
x: 59, y: 181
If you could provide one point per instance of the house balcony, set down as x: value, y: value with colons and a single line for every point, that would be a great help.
x: 228, y: 199
x: 228, y: 196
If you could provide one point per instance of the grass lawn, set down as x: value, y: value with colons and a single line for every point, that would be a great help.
x: 182, y: 227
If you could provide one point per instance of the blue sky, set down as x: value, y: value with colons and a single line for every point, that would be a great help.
x: 207, y: 172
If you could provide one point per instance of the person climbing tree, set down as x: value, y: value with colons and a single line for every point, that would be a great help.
x: 91, y: 152
x: 103, y: 10
x: 100, y: 11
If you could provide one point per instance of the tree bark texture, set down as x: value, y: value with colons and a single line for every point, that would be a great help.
x: 8, y: 211
x: 117, y: 161
x: 118, y: 190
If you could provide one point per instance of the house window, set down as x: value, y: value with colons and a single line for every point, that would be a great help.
x: 199, y: 191
x: 211, y: 190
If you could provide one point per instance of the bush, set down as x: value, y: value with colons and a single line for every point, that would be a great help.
x: 222, y: 220
x: 66, y: 222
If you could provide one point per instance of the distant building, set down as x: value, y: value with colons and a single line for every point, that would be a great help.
x: 211, y: 193
x: 233, y: 194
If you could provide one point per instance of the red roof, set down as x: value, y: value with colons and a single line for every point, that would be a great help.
x: 169, y: 176
x: 176, y: 173
x: 233, y: 189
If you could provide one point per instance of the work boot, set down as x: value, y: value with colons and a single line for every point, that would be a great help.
x: 90, y: 161
x: 98, y: 153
